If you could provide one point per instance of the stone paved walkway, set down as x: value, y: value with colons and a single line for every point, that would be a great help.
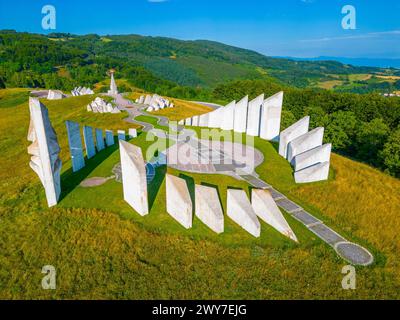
x: 348, y: 251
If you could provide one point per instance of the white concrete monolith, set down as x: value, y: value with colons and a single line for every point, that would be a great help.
x: 295, y: 130
x: 45, y: 151
x: 266, y: 209
x: 239, y: 209
x: 134, y: 179
x: 254, y: 116
x: 179, y: 203
x: 208, y: 208
x: 270, y: 121
x: 305, y: 142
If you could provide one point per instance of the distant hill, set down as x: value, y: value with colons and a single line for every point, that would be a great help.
x: 361, y: 62
x: 63, y: 59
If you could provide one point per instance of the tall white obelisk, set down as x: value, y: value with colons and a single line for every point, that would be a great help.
x: 113, y: 86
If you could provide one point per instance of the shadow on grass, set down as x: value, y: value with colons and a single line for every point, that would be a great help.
x: 70, y: 180
x: 275, y: 145
x: 155, y: 185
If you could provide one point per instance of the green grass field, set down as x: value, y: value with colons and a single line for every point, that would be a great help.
x: 102, y: 249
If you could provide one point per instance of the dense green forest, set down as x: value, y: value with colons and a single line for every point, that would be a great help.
x: 362, y: 126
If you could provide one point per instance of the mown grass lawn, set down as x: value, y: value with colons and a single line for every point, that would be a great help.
x: 102, y: 249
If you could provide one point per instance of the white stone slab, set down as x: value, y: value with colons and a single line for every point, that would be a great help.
x: 270, y: 121
x: 317, y: 172
x: 203, y: 120
x: 121, y: 135
x: 132, y: 133
x: 44, y: 151
x: 179, y: 203
x: 228, y: 116
x: 134, y: 179
x: 208, y: 208
x: 254, y: 116
x: 195, y: 121
x: 181, y: 122
x: 240, y: 118
x: 141, y: 99
x: 305, y: 142
x: 188, y: 122
x: 99, y: 140
x: 239, y: 209
x: 311, y: 157
x: 294, y: 131
x: 215, y: 118
x: 147, y: 100
x: 266, y: 209
x: 89, y: 142
x: 109, y: 138
x: 75, y: 145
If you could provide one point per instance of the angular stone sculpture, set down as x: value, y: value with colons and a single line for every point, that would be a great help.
x: 305, y: 142
x: 141, y: 100
x: 317, y: 172
x: 99, y: 140
x: 179, y: 204
x: 109, y: 138
x: 121, y: 135
x: 254, y: 115
x: 55, y: 95
x: 113, y: 86
x: 100, y: 106
x: 311, y: 157
x: 44, y: 150
x: 75, y: 145
x: 78, y: 91
x: 147, y: 100
x: 134, y: 179
x: 208, y: 208
x: 266, y: 209
x: 89, y: 142
x: 228, y: 116
x: 240, y: 118
x: 239, y: 209
x: 181, y: 122
x: 294, y: 131
x: 270, y: 121
x: 132, y: 133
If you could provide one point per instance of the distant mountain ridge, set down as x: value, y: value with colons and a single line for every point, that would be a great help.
x: 359, y: 62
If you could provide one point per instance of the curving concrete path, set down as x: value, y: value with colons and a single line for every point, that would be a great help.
x: 347, y: 250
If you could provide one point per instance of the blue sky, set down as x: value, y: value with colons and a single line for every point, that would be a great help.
x: 299, y: 28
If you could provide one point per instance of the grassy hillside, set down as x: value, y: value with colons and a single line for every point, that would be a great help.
x: 102, y: 249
